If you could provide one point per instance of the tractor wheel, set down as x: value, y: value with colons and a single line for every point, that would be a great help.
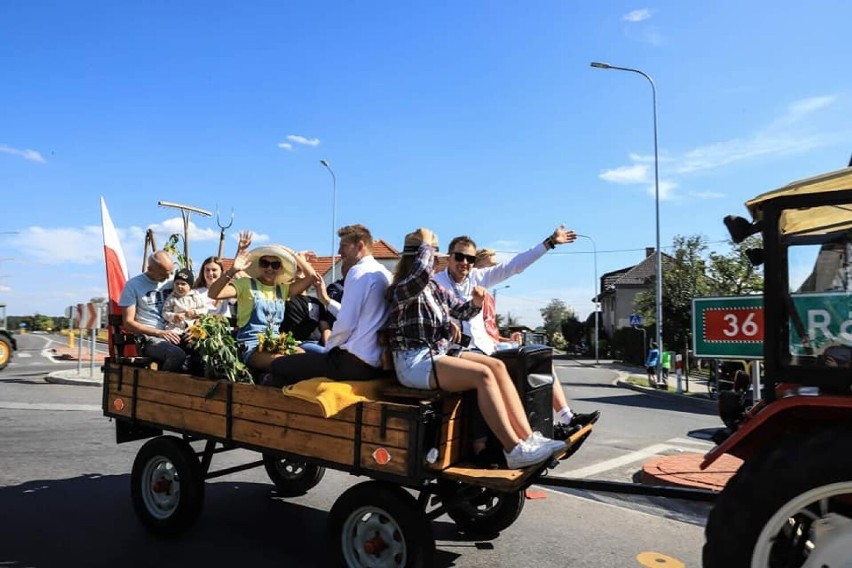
x: 5, y: 352
x: 788, y: 506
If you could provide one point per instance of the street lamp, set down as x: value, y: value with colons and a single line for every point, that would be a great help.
x: 597, y: 335
x: 659, y: 259
x: 494, y: 293
x: 333, y: 213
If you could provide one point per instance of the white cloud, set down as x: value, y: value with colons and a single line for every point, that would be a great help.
x: 637, y: 15
x: 295, y: 138
x: 811, y: 104
x: 706, y: 194
x: 285, y: 146
x: 667, y: 188
x: 4, y: 288
x: 637, y: 173
x: 30, y: 155
x: 778, y: 139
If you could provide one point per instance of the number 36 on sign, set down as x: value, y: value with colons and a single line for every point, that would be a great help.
x: 728, y: 327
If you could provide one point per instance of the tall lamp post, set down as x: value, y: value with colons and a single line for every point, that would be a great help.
x: 659, y: 258
x: 597, y: 335
x: 333, y: 213
x: 494, y: 293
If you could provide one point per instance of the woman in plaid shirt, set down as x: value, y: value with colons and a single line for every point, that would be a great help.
x: 419, y: 336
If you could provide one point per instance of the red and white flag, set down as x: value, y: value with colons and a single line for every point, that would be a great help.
x: 116, y: 267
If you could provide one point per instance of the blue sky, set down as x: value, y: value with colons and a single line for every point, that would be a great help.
x: 480, y: 118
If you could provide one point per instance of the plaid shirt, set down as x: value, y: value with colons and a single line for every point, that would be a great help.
x: 421, y: 309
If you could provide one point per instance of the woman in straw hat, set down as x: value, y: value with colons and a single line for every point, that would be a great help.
x: 261, y: 296
x: 419, y: 336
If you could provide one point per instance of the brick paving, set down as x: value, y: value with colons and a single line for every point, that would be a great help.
x: 683, y: 470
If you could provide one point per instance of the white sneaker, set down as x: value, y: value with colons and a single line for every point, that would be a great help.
x: 525, y: 454
x: 539, y: 439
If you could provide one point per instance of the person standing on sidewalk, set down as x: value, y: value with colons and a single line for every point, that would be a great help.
x: 460, y: 278
x: 651, y: 363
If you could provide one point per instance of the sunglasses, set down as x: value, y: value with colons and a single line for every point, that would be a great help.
x: 460, y: 257
x: 273, y: 264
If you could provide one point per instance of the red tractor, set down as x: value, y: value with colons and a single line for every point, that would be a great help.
x: 790, y: 503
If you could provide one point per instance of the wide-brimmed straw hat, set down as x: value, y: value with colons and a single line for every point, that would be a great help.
x: 285, y: 275
x: 413, y: 240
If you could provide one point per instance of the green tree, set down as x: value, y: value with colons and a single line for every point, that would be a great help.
x: 41, y: 323
x: 733, y: 274
x: 684, y: 278
x: 553, y: 314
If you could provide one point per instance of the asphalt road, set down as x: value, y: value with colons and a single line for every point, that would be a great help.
x: 64, y: 491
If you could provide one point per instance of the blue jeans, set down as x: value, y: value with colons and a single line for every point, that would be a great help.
x: 169, y: 357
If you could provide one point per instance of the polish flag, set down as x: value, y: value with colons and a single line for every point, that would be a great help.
x: 116, y: 267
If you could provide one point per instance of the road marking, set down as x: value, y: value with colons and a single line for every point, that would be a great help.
x: 614, y: 463
x: 652, y: 559
x: 695, y: 441
x: 47, y: 406
x: 621, y: 461
x: 23, y: 355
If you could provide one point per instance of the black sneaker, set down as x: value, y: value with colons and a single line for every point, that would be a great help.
x: 583, y: 419
x: 562, y: 431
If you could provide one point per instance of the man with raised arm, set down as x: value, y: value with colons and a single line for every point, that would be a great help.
x: 460, y: 277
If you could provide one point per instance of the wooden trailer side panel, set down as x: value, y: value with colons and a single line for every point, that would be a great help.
x: 388, y: 438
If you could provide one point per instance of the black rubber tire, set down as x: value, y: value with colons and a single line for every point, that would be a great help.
x: 768, y: 482
x: 393, y: 519
x: 173, y: 506
x: 487, y: 514
x: 5, y: 352
x: 292, y: 477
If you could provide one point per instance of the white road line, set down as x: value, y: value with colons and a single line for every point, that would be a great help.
x: 23, y: 355
x: 614, y: 463
x: 47, y: 406
x: 696, y: 441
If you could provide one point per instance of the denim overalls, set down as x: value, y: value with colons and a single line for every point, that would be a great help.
x: 264, y: 314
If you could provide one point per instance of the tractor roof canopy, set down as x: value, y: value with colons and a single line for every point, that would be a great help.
x: 810, y: 220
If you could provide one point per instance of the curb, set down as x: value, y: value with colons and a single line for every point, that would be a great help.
x: 703, y: 402
x: 74, y: 378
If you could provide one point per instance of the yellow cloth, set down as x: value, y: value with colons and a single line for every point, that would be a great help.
x: 333, y: 396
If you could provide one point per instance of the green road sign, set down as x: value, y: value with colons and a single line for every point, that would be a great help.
x: 729, y: 327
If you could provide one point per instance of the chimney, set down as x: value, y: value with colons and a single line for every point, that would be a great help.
x: 649, y: 251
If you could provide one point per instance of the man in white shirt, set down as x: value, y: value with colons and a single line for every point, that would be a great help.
x: 460, y: 277
x: 352, y: 351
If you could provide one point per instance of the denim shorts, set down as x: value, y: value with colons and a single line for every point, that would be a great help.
x: 414, y: 367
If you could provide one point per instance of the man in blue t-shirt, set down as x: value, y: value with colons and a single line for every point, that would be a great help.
x: 142, y: 303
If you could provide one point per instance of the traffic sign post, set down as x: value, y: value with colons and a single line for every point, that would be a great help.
x: 729, y: 327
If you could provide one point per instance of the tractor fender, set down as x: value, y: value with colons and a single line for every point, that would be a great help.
x: 769, y: 422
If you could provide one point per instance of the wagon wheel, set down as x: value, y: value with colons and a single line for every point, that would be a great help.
x: 167, y: 486
x: 789, y: 506
x: 376, y: 524
x: 292, y: 477
x: 488, y: 513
